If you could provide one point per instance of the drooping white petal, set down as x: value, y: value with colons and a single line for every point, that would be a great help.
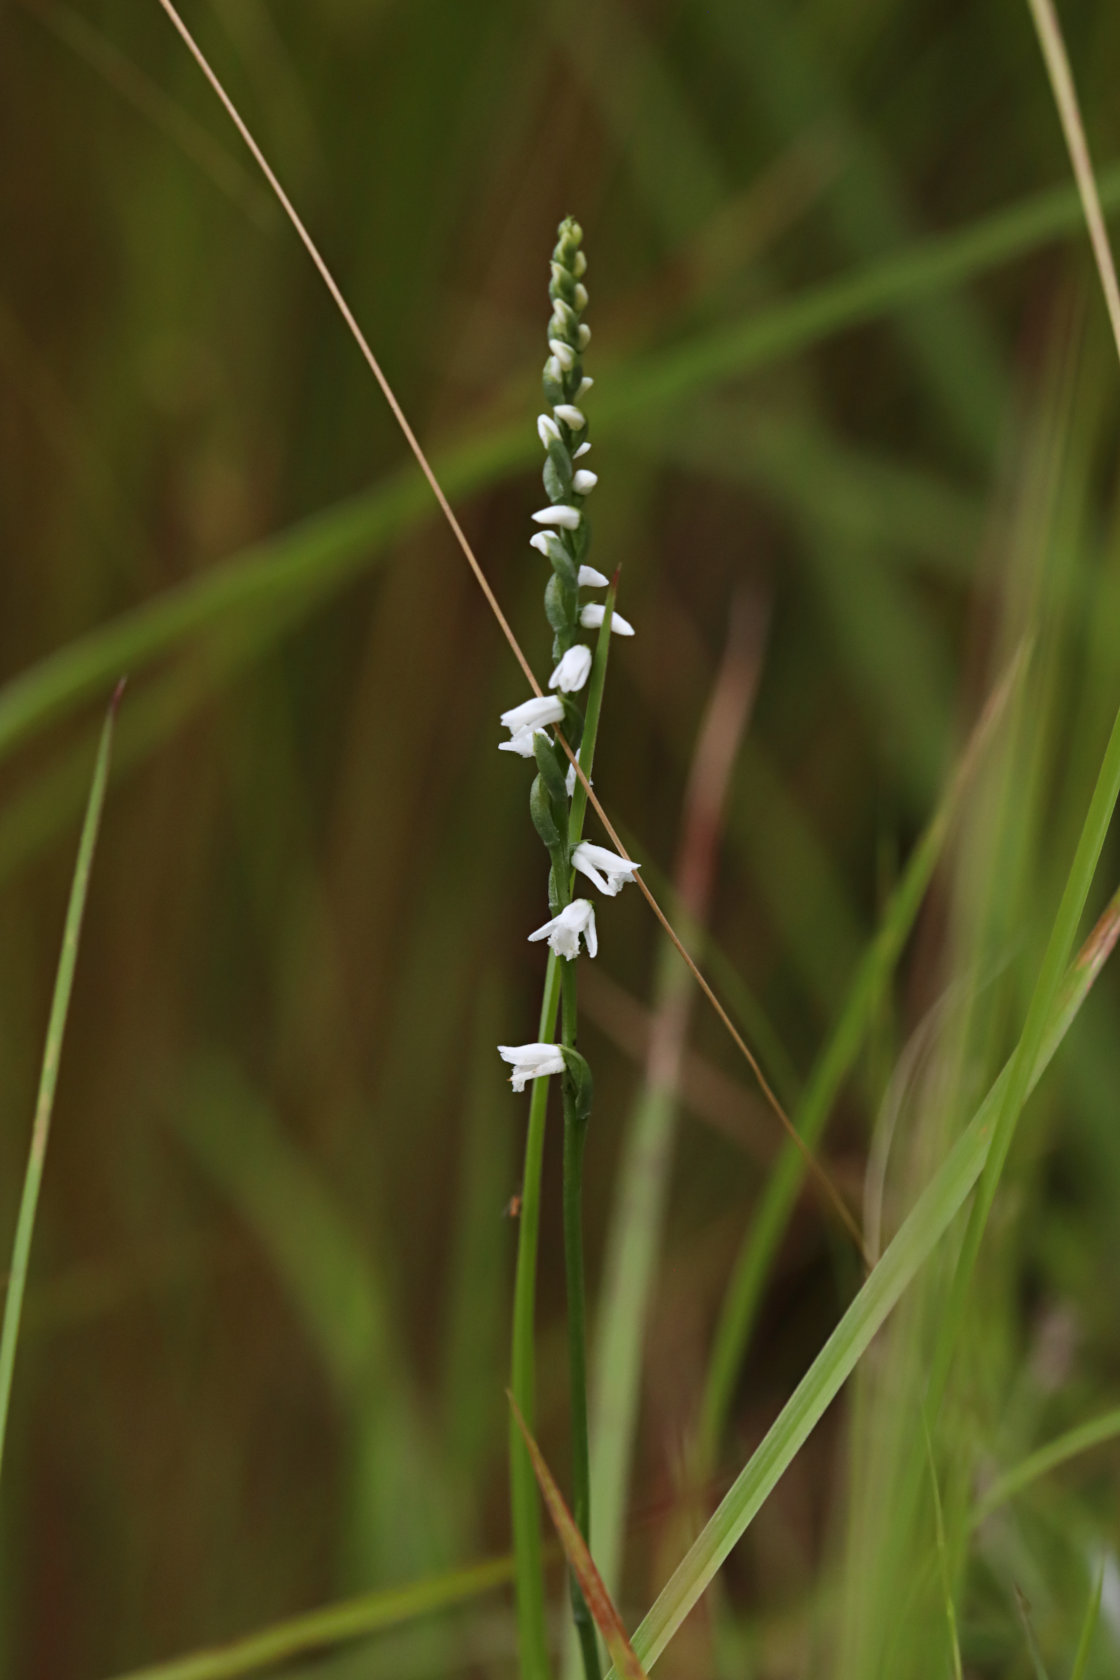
x: 605, y: 868
x: 521, y: 743
x: 589, y: 578
x: 566, y: 517
x: 531, y: 1061
x: 591, y: 617
x: 583, y: 482
x: 571, y: 415
x: 533, y: 714
x: 547, y: 429
x: 572, y: 671
x: 563, y: 931
x: 563, y: 353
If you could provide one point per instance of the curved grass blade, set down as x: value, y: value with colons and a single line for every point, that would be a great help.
x: 607, y: 1619
x: 333, y: 1624
x: 48, y: 1077
x: 930, y: 1218
x: 1059, y: 1451
x: 1088, y: 1628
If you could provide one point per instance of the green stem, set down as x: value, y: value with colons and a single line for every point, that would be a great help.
x: 575, y: 1135
x: 524, y: 1498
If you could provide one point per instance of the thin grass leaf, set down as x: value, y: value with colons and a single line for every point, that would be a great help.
x: 607, y: 1619
x: 1088, y: 1628
x: 1024, y: 1611
x: 931, y: 1216
x: 1059, y: 1451
x: 48, y: 1077
x: 333, y: 1624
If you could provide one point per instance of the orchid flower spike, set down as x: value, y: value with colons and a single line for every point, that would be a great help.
x: 572, y: 671
x: 592, y: 615
x: 605, y: 868
x: 563, y: 931
x: 531, y: 1061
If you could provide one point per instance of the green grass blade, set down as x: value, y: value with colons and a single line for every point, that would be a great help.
x: 595, y: 1594
x: 48, y: 1078
x: 1059, y: 1451
x: 1033, y: 1647
x: 931, y: 1216
x: 744, y: 1291
x: 1088, y: 1628
x: 333, y: 1624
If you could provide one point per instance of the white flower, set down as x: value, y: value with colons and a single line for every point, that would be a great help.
x: 584, y: 482
x: 563, y: 315
x: 531, y: 1061
x: 553, y: 370
x: 567, y: 517
x: 562, y: 353
x: 527, y: 720
x: 589, y: 578
x: 540, y: 543
x: 582, y: 450
x: 570, y: 415
x: 585, y: 385
x: 581, y: 297
x: 591, y: 617
x: 522, y: 742
x: 563, y: 931
x: 573, y: 670
x: 584, y: 335
x: 609, y: 872
x: 547, y: 429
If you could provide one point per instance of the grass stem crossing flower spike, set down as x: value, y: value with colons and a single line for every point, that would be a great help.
x: 531, y: 1061
x: 604, y: 868
x: 563, y: 931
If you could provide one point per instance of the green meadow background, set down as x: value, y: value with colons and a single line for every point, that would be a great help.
x: 855, y: 424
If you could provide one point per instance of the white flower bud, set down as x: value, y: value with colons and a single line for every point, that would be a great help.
x: 566, y: 517
x: 582, y: 450
x: 540, y: 543
x: 570, y: 415
x: 584, y: 482
x: 572, y: 671
x: 585, y: 385
x: 564, y: 314
x: 591, y: 617
x: 589, y: 578
x: 547, y: 429
x: 553, y: 370
x: 584, y: 336
x: 579, y: 265
x: 562, y: 353
x: 581, y: 296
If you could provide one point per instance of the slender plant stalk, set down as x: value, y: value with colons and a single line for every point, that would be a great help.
x: 48, y: 1077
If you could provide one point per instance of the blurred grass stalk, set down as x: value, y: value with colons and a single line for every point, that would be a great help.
x: 48, y: 1077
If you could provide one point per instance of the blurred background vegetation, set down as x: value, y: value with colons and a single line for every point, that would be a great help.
x: 853, y: 385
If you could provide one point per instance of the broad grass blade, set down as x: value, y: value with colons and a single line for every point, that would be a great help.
x: 930, y: 1218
